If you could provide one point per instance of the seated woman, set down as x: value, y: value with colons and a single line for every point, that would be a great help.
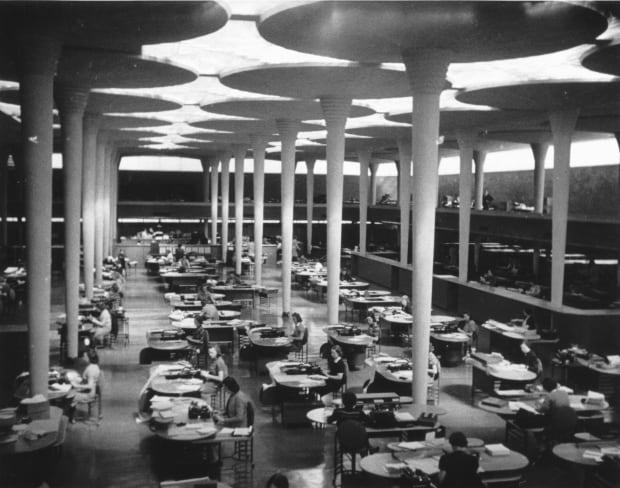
x: 527, y: 322
x: 488, y: 278
x: 298, y: 329
x: 103, y: 324
x: 470, y: 328
x: 216, y: 372
x: 336, y: 374
x: 434, y: 366
x: 210, y: 312
x: 84, y: 387
x: 349, y: 411
x: 459, y: 468
x: 374, y: 330
x: 531, y: 359
x: 236, y: 411
x: 405, y: 304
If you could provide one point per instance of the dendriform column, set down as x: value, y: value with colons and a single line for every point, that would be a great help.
x: 335, y: 111
x: 258, y: 150
x: 91, y: 129
x: 479, y: 158
x: 404, y: 195
x: 465, y: 141
x: 72, y: 103
x: 427, y: 72
x: 36, y: 60
x: 225, y: 161
x: 364, y: 156
x: 214, y: 202
x: 309, y: 202
x: 562, y: 126
x: 539, y: 150
x: 288, y: 135
x: 239, y: 152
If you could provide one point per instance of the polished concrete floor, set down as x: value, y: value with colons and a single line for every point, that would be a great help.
x: 117, y: 452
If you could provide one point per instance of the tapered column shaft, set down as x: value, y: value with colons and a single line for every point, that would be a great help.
x: 72, y: 102
x: 36, y: 60
x: 479, y: 158
x: 539, y: 150
x: 309, y: 203
x: 373, y: 183
x: 404, y: 195
x: 562, y: 126
x: 206, y: 184
x: 466, y: 150
x: 99, y: 206
x: 288, y: 134
x: 335, y: 112
x: 239, y: 162
x: 225, y: 203
x: 258, y: 180
x: 214, y: 193
x: 89, y: 179
x: 364, y: 159
x: 427, y: 71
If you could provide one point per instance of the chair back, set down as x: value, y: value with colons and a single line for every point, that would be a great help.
x: 352, y: 436
x: 250, y: 414
x: 189, y: 483
x: 562, y: 423
x: 304, y: 338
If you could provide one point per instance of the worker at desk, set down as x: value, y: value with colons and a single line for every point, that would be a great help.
x: 405, y: 304
x: 531, y: 359
x: 554, y: 397
x: 526, y: 322
x: 470, y: 328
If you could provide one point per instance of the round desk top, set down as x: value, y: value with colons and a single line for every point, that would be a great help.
x: 576, y: 403
x: 37, y: 435
x: 376, y: 463
x: 180, y: 386
x: 229, y: 314
x: 442, y: 444
x: 354, y: 340
x: 176, y: 345
x: 397, y: 318
x: 319, y: 415
x: 511, y: 373
x: 171, y: 411
x: 450, y: 337
x: 357, y: 285
x: 573, y: 453
x: 274, y: 342
x: 599, y: 366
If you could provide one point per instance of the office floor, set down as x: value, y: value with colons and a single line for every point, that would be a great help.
x: 119, y: 453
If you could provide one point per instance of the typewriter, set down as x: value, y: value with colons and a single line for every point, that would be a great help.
x: 303, y: 368
x: 184, y: 373
x: 400, y: 366
x: 446, y: 328
x: 271, y: 333
x: 172, y: 335
x: 349, y: 331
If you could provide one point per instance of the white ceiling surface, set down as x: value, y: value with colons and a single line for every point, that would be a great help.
x: 238, y: 44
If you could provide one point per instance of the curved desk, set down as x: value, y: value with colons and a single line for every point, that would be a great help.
x: 37, y: 435
x: 189, y: 278
x: 154, y: 341
x: 490, y: 465
x: 176, y: 387
x: 505, y: 412
x: 237, y: 292
x: 361, y: 304
x: 497, y: 372
x: 598, y: 376
x: 321, y: 286
x: 451, y: 347
x: 268, y: 348
x: 394, y: 323
x: 353, y: 347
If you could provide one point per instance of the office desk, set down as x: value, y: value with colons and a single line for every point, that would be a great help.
x: 450, y: 347
x: 361, y: 304
x: 353, y: 347
x: 44, y: 431
x: 154, y: 341
x: 497, y: 374
x: 491, y: 466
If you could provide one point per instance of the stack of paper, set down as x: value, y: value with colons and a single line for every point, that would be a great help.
x: 595, y: 455
x: 497, y: 450
x: 403, y: 417
x: 594, y: 397
x: 614, y: 360
x: 413, y: 445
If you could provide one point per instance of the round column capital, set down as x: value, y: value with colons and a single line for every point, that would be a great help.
x: 72, y: 99
x: 335, y: 108
x: 288, y: 128
x: 427, y: 69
